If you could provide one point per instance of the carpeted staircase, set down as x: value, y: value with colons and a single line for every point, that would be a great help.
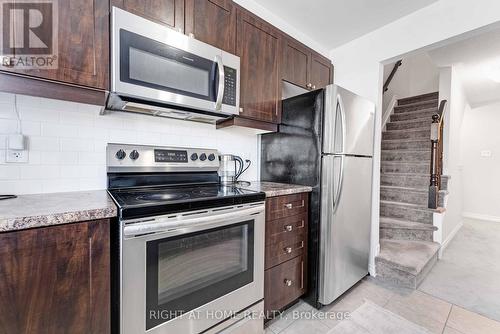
x: 407, y: 250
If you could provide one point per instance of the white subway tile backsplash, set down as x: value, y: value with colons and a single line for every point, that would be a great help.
x: 67, y: 142
x: 77, y: 144
x: 37, y: 143
x: 39, y: 172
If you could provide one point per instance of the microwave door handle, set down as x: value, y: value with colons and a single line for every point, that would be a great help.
x: 220, y: 90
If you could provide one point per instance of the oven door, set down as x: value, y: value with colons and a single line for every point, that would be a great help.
x: 154, y: 63
x: 188, y: 272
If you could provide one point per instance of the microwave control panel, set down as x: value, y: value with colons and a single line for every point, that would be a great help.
x: 229, y: 86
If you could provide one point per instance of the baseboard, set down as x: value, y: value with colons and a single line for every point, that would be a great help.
x: 479, y: 216
x: 449, y: 238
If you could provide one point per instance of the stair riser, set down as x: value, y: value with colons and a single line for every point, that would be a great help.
x: 417, y: 99
x: 444, y: 183
x: 405, y: 234
x: 405, y: 213
x: 420, y: 134
x: 419, y: 182
x: 404, y: 196
x: 409, y: 125
x: 421, y: 145
x: 387, y: 274
x: 388, y: 167
x: 419, y: 156
x: 407, y: 108
x: 408, y: 116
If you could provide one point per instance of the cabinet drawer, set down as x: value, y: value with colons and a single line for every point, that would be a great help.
x: 284, y: 249
x: 286, y: 206
x: 284, y: 283
x: 283, y: 228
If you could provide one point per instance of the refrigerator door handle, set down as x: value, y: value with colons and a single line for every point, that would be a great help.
x: 341, y: 109
x: 338, y: 193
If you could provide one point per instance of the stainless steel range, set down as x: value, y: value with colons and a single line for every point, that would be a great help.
x: 191, y: 251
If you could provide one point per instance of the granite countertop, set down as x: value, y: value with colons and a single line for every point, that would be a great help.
x: 275, y: 189
x: 29, y: 211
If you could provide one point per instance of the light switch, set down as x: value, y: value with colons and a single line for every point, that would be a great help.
x: 486, y: 153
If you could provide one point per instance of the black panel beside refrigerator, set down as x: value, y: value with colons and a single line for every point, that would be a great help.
x: 293, y: 155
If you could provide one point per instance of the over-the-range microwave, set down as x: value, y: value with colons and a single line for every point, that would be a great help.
x: 159, y: 71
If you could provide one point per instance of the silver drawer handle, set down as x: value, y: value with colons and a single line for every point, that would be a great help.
x: 288, y: 282
x: 288, y: 228
x: 289, y: 205
x: 288, y: 250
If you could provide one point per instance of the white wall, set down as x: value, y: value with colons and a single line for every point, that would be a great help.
x: 358, y: 63
x: 451, y: 89
x: 67, y: 143
x: 481, y: 176
x: 417, y: 75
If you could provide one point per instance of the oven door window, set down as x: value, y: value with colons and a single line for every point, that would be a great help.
x: 188, y: 271
x: 149, y: 63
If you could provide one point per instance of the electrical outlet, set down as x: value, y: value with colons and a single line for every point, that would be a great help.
x: 16, y: 156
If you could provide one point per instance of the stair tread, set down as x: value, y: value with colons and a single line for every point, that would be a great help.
x: 419, y: 103
x: 423, y: 97
x: 407, y: 174
x: 406, y: 162
x: 406, y: 140
x: 407, y: 255
x: 427, y: 128
x: 405, y: 150
x: 413, y: 120
x: 388, y: 222
x: 419, y: 190
x: 408, y: 205
x: 416, y: 111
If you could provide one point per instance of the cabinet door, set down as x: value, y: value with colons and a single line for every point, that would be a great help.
x: 56, y: 279
x: 321, y: 72
x: 166, y: 12
x: 83, y: 45
x: 295, y: 68
x: 258, y: 45
x: 212, y: 22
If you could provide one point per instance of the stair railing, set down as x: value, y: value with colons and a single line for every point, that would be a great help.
x: 391, y: 75
x: 436, y: 169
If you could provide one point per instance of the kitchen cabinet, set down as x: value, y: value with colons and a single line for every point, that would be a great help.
x: 56, y: 279
x: 285, y: 276
x: 212, y: 22
x: 82, y: 46
x: 258, y: 46
x: 166, y: 12
x: 321, y: 72
x: 305, y: 68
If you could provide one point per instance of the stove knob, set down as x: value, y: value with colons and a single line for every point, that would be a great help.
x: 203, y: 157
x: 120, y: 155
x: 211, y: 157
x: 194, y: 157
x: 134, y: 155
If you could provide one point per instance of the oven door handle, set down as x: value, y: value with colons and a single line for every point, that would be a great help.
x: 165, y: 225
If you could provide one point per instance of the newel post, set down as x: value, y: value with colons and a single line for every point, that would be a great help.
x: 433, y: 185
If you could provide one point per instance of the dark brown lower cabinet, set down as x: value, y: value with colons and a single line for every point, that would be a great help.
x: 285, y: 278
x: 56, y: 279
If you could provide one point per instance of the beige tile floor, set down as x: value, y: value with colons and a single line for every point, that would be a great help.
x: 436, y: 315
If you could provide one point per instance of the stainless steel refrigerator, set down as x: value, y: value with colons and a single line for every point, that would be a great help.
x: 325, y: 140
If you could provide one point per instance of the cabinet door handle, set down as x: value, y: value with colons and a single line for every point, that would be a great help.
x: 287, y: 250
x: 289, y: 205
x: 288, y: 282
x: 288, y: 228
x: 314, y: 87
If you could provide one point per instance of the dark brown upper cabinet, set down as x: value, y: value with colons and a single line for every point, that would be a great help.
x: 303, y: 67
x: 83, y: 45
x: 166, y: 12
x: 296, y: 63
x: 212, y: 22
x: 258, y: 46
x: 56, y: 279
x: 321, y: 72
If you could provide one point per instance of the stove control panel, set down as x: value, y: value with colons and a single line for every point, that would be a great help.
x: 142, y: 158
